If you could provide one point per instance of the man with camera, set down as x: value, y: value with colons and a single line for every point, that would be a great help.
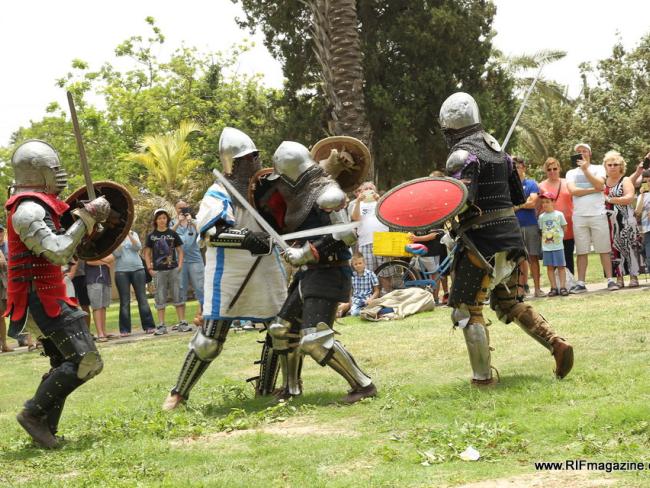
x: 193, y: 266
x: 586, y: 183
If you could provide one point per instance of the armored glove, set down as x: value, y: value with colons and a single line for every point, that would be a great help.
x: 94, y: 212
x: 256, y: 242
x: 297, y: 256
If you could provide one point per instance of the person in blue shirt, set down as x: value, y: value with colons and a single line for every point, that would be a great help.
x: 130, y: 272
x: 193, y: 266
x: 527, y: 217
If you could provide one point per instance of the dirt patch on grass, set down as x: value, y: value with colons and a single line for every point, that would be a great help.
x: 288, y: 428
x: 574, y: 479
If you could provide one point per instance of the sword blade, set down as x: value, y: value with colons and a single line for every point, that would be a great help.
x: 258, y: 218
x: 82, y: 151
x: 317, y: 231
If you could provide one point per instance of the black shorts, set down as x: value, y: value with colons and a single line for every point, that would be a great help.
x: 80, y: 290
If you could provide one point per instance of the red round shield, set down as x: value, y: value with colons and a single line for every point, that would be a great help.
x: 424, y: 203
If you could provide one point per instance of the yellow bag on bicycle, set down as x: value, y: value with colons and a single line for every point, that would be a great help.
x: 390, y: 244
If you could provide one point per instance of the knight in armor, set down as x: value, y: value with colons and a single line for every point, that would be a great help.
x: 303, y: 326
x: 491, y: 241
x: 244, y: 277
x: 36, y: 295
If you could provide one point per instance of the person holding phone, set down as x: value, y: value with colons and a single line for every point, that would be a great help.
x: 193, y: 266
x: 637, y: 176
x: 363, y: 209
x: 590, y: 226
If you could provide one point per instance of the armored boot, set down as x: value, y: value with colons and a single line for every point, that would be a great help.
x: 37, y: 427
x: 320, y: 344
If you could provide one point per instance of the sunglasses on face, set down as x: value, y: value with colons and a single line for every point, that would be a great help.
x: 553, y: 169
x: 612, y: 165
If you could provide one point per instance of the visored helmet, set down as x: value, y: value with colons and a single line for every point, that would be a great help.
x: 292, y: 159
x: 459, y: 111
x: 234, y: 144
x: 37, y: 167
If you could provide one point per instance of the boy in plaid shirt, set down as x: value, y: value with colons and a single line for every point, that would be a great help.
x: 365, y: 286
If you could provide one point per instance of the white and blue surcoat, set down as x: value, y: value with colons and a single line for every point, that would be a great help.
x: 226, y: 269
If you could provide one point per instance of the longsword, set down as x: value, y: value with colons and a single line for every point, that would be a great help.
x: 82, y: 151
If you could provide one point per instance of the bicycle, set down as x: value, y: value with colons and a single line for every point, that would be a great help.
x: 398, y: 274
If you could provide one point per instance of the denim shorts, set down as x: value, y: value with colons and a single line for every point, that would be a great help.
x: 554, y: 258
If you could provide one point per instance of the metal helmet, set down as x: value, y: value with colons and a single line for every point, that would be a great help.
x: 459, y: 111
x: 292, y: 159
x: 37, y: 167
x: 234, y: 144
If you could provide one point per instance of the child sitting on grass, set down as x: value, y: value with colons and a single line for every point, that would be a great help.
x: 553, y: 224
x: 365, y: 287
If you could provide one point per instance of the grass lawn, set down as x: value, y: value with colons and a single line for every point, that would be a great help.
x: 411, y: 435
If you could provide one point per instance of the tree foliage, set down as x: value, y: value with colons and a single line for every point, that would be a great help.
x: 611, y: 112
x: 415, y: 55
x: 151, y: 97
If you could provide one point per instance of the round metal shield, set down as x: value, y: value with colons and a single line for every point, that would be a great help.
x: 424, y: 203
x: 112, y: 232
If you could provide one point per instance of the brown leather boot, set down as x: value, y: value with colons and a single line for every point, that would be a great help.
x: 38, y: 429
x: 359, y: 394
x: 563, y: 354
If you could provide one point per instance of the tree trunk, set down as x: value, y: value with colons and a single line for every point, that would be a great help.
x: 338, y: 50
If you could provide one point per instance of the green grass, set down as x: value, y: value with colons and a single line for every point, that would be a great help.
x: 411, y: 435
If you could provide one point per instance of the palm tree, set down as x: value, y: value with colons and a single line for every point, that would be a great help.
x: 167, y: 160
x: 338, y: 49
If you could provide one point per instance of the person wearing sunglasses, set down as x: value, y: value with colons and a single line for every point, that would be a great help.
x: 563, y: 202
x: 624, y: 232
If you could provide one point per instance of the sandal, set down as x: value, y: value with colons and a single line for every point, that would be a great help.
x: 102, y: 339
x: 554, y: 292
x: 564, y: 292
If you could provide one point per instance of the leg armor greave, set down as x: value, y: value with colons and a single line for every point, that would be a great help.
x: 285, y: 342
x: 291, y: 364
x: 269, y: 364
x: 477, y: 338
x: 206, y: 345
x: 320, y: 344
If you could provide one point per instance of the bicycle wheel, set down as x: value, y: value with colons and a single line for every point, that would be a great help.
x: 393, y: 275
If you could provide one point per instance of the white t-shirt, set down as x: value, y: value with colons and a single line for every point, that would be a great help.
x: 369, y: 223
x: 594, y: 203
